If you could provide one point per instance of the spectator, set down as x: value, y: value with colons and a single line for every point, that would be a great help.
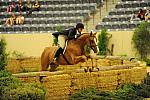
x: 11, y: 21
x: 141, y: 14
x: 11, y: 7
x: 28, y: 6
x: 19, y: 7
x: 147, y: 15
x: 20, y: 19
x: 134, y: 17
x: 35, y: 7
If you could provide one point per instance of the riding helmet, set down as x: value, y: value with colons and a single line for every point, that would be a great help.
x: 79, y: 25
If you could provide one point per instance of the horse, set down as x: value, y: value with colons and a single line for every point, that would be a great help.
x: 74, y: 52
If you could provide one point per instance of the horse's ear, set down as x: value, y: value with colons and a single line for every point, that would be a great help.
x: 95, y: 33
x: 91, y: 33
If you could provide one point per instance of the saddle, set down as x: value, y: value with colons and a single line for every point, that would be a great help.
x: 59, y: 51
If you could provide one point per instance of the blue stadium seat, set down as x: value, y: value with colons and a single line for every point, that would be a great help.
x: 17, y: 28
x: 115, y: 26
x: 9, y: 29
x: 25, y: 29
x: 2, y: 29
x: 33, y: 29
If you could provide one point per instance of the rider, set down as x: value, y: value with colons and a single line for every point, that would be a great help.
x: 64, y: 35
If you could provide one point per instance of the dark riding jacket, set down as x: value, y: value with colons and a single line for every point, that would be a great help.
x: 70, y: 33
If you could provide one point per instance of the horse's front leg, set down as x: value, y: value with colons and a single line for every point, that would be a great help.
x: 80, y: 59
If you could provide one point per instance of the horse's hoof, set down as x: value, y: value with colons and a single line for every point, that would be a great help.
x: 85, y: 70
x: 97, y: 69
x: 90, y: 70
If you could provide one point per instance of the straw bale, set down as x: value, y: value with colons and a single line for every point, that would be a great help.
x: 107, y: 79
x: 84, y: 82
x: 69, y: 67
x: 30, y: 79
x: 83, y: 75
x: 13, y: 65
x: 124, y: 76
x: 116, y: 62
x: 126, y: 62
x: 57, y: 84
x: 109, y: 86
x: 58, y: 92
x: 56, y: 78
x: 103, y: 62
x: 107, y: 73
x: 139, y: 72
x: 113, y: 57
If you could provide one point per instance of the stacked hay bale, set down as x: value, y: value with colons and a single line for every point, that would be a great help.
x: 114, y: 60
x: 124, y: 76
x: 30, y: 64
x: 69, y: 67
x: 103, y: 62
x: 13, y: 65
x: 83, y: 80
x: 58, y: 86
x: 23, y: 64
x: 107, y: 80
x: 112, y: 73
x: 138, y: 74
x: 29, y: 79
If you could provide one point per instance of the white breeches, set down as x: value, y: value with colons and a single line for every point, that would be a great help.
x: 61, y: 40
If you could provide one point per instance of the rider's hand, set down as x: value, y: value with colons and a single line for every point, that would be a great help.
x: 75, y: 36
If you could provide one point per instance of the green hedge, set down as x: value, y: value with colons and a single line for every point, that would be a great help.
x: 12, y: 89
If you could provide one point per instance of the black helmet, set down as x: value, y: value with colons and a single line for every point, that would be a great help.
x: 79, y: 25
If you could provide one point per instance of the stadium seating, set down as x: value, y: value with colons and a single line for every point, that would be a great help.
x: 119, y: 17
x: 53, y: 13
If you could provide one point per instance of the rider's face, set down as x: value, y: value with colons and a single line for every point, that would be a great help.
x: 80, y: 29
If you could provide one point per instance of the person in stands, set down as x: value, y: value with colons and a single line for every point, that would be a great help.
x: 20, y: 19
x: 20, y: 7
x: 11, y: 7
x: 141, y: 15
x: 35, y: 7
x: 11, y: 21
x: 134, y: 17
x: 28, y: 5
x: 64, y: 35
x: 147, y: 15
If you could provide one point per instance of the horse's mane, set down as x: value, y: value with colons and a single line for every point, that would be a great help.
x: 83, y: 36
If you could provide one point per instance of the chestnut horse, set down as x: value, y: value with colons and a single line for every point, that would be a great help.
x: 74, y: 52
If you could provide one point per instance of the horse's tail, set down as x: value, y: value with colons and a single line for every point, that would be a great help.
x: 45, y: 59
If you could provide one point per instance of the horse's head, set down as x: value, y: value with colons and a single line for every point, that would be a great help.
x: 90, y: 40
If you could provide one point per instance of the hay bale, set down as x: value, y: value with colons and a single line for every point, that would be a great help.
x: 138, y: 73
x: 124, y: 76
x: 13, y: 65
x: 116, y: 62
x: 103, y: 62
x: 30, y: 79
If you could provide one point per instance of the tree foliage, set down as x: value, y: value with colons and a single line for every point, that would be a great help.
x: 103, y: 42
x: 3, y: 55
x: 55, y: 39
x: 141, y: 40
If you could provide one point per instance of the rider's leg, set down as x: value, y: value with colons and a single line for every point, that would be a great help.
x: 61, y: 44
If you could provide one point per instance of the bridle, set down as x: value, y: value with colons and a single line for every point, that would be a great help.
x: 91, y: 39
